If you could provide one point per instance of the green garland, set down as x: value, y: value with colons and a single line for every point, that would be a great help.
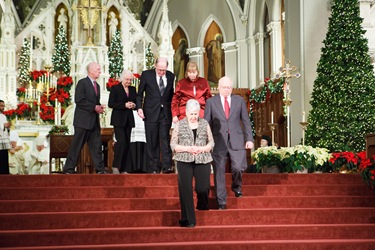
x: 273, y: 87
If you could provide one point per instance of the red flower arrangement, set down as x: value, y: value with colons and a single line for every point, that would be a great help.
x: 111, y: 82
x: 21, y: 92
x: 23, y: 110
x: 367, y: 171
x: 47, y: 113
x: 65, y: 83
x: 136, y: 75
x: 34, y: 75
x: 10, y: 114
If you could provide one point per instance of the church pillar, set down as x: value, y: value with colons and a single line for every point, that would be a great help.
x: 252, y: 63
x: 274, y: 28
x: 260, y: 42
x: 242, y: 52
x: 231, y: 68
x: 196, y: 55
x: 8, y: 70
x: 293, y: 51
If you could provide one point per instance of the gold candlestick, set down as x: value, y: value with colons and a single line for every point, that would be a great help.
x: 304, y: 126
x: 273, y: 127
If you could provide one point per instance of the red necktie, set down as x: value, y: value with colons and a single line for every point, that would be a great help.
x: 226, y: 107
x: 96, y: 88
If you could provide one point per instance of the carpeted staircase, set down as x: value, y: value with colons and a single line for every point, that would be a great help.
x: 278, y: 211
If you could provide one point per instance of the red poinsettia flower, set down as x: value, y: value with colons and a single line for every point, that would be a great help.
x: 136, y: 75
x: 65, y: 81
x: 36, y: 74
x: 20, y: 92
x: 111, y: 82
x: 23, y: 110
x: 10, y: 114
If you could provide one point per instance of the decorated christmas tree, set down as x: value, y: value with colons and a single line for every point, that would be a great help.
x: 61, y: 57
x: 24, y: 62
x: 343, y: 97
x: 115, y: 56
x: 150, y: 61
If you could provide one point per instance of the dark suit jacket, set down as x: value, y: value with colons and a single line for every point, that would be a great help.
x: 85, y: 98
x: 149, y: 98
x: 238, y: 123
x: 121, y: 116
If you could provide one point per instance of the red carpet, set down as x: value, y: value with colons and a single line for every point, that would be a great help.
x: 278, y: 211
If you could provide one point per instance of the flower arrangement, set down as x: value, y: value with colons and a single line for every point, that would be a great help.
x: 302, y: 156
x: 21, y: 92
x: 10, y: 114
x: 367, y: 170
x: 37, y: 74
x: 111, y: 82
x: 344, y: 161
x: 291, y: 159
x: 65, y: 82
x: 266, y: 157
x: 23, y: 110
x: 59, y: 129
x: 47, y: 113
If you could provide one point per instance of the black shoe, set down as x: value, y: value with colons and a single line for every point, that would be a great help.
x: 238, y: 194
x: 168, y: 171
x: 101, y: 172
x: 222, y: 207
x: 68, y: 172
x: 185, y: 223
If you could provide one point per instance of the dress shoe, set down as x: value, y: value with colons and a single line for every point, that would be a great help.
x: 168, y: 171
x: 222, y: 207
x: 67, y: 172
x: 115, y: 171
x: 238, y: 194
x: 101, y: 172
x: 185, y: 223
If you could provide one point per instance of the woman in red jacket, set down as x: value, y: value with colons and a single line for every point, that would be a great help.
x: 190, y: 87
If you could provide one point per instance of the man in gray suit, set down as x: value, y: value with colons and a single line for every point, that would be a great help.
x: 231, y: 129
x: 86, y: 121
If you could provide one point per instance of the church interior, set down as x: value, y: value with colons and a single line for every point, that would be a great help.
x: 271, y: 49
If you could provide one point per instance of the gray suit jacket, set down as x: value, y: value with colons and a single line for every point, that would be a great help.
x: 238, y: 124
x: 85, y: 98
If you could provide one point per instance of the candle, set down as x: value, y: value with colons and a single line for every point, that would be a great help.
x: 272, y: 117
x: 303, y: 116
x: 59, y: 114
x: 39, y: 99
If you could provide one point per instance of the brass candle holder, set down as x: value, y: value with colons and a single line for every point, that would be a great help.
x: 304, y: 126
x: 273, y: 127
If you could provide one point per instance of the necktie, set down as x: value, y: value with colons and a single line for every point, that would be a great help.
x: 95, y: 88
x: 161, y: 86
x: 226, y: 107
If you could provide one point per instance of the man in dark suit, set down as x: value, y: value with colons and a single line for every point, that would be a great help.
x: 122, y: 100
x: 154, y: 98
x: 231, y: 129
x: 86, y: 121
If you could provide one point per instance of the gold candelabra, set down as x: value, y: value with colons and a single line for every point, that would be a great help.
x: 47, y: 84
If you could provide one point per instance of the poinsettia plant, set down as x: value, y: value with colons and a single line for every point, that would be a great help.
x: 37, y: 74
x: 344, y: 161
x: 111, y: 82
x: 23, y: 110
x: 367, y: 171
x: 21, y: 92
x: 10, y: 114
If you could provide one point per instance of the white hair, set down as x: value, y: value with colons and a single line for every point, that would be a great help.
x: 192, y: 105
